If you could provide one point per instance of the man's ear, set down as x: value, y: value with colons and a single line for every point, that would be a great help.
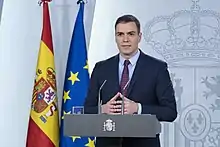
x: 140, y: 36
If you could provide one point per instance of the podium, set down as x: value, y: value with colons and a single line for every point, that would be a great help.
x: 104, y: 125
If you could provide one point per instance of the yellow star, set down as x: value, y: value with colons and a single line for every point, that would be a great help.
x: 73, y: 77
x: 75, y: 137
x: 66, y: 96
x: 87, y: 65
x: 91, y: 143
x: 65, y: 113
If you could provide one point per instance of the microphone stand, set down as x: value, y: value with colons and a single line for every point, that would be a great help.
x: 122, y: 105
x: 99, y: 97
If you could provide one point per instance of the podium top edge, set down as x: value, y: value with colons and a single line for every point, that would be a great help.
x: 111, y: 115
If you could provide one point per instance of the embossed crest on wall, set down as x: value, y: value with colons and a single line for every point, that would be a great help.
x: 189, y: 41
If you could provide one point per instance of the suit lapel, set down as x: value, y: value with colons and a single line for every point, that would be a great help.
x: 137, y: 71
x: 114, y: 73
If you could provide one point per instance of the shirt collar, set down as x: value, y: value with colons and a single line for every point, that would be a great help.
x: 133, y: 59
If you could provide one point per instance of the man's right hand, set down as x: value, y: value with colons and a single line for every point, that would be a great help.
x: 112, y: 106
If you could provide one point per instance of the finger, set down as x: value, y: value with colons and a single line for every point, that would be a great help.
x: 114, y: 106
x: 112, y: 110
x: 114, y: 113
x: 117, y: 106
x: 126, y: 106
x: 123, y: 97
x: 113, y: 102
x: 115, y: 110
x: 126, y: 112
x: 118, y: 110
x: 118, y: 113
x: 115, y: 97
x: 126, y: 102
x: 111, y: 106
x: 118, y: 102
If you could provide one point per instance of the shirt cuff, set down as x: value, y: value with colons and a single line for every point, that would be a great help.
x: 139, y: 108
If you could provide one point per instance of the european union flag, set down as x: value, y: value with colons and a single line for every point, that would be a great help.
x: 76, y: 81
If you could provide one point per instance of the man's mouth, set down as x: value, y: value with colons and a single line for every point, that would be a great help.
x: 125, y: 46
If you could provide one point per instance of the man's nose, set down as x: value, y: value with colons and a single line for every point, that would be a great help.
x: 125, y: 38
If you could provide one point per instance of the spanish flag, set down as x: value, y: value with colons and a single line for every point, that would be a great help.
x: 43, y: 129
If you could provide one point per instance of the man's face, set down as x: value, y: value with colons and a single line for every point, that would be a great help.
x: 127, y: 38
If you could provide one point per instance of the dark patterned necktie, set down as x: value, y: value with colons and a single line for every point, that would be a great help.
x: 125, y: 78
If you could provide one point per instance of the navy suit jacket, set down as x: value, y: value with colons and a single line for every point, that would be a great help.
x: 150, y: 86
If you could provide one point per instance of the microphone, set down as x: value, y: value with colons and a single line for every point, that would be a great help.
x: 122, y: 105
x: 99, y: 97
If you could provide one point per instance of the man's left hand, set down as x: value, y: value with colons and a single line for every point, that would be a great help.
x: 130, y: 107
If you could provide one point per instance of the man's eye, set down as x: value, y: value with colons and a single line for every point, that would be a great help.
x: 130, y: 34
x: 120, y: 34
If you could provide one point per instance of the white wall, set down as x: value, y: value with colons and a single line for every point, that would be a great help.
x: 20, y: 34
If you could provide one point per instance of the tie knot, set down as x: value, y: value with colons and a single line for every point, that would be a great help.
x: 126, y: 62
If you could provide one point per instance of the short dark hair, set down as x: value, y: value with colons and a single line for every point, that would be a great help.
x: 128, y: 18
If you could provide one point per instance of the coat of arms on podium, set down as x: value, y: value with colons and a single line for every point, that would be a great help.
x: 109, y: 125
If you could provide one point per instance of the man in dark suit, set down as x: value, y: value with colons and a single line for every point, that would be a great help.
x: 144, y: 81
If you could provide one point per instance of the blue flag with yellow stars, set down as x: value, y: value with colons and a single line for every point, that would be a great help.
x: 76, y: 81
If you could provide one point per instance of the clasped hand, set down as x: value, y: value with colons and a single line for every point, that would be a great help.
x: 114, y: 106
